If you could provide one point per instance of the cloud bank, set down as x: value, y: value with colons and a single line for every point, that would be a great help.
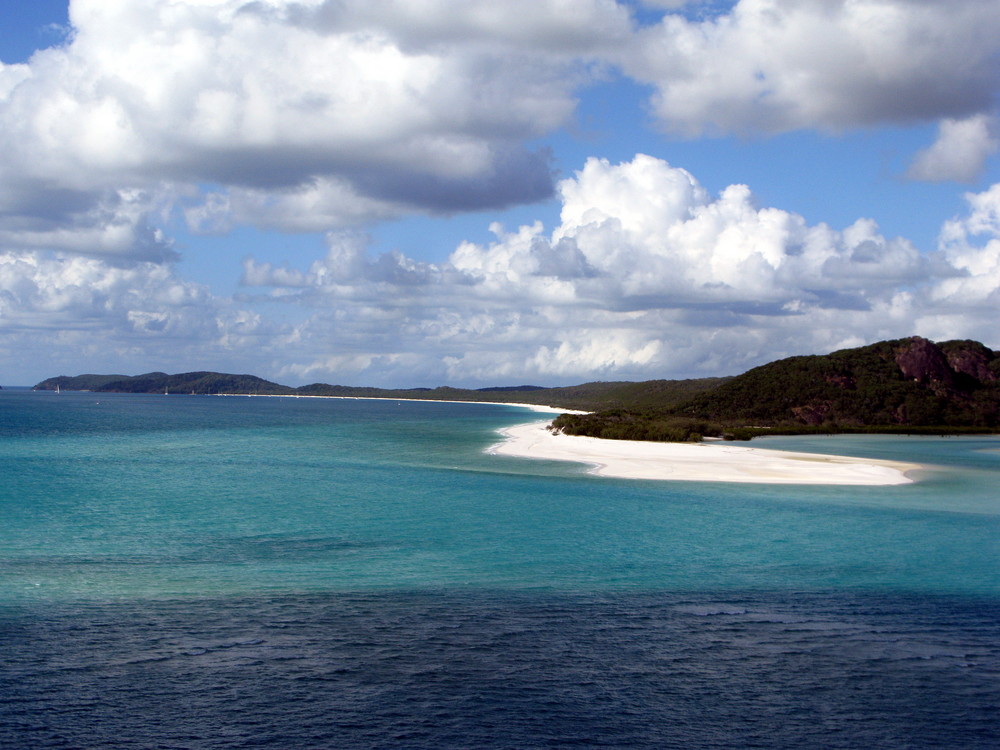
x: 338, y: 112
x: 329, y: 116
x: 769, y: 66
x: 647, y: 274
x: 308, y: 115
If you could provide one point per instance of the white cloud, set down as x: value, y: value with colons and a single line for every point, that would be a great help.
x: 58, y: 311
x: 309, y: 115
x: 328, y: 115
x: 971, y: 245
x: 315, y: 207
x: 39, y: 290
x: 114, y: 225
x: 338, y: 112
x: 776, y: 65
x: 563, y: 26
x: 960, y: 151
x: 647, y: 275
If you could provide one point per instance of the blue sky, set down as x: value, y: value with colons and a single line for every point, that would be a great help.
x: 473, y: 193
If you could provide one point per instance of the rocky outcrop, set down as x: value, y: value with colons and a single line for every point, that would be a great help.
x: 973, y: 359
x: 813, y: 413
x: 923, y: 361
x: 941, y: 366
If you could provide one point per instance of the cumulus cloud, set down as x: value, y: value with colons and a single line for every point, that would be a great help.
x: 309, y: 115
x: 971, y: 245
x: 346, y: 110
x: 775, y: 65
x: 647, y: 275
x: 40, y: 290
x: 330, y: 115
x: 960, y: 151
x: 114, y: 225
x: 58, y: 310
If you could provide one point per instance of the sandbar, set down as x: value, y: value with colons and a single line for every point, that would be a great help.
x: 714, y: 461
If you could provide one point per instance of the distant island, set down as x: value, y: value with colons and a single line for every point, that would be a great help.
x: 908, y: 385
x: 587, y: 397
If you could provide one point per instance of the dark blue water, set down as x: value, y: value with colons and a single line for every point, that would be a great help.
x: 193, y: 572
x: 459, y: 670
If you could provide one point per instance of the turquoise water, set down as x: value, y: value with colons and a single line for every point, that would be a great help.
x: 107, y: 497
x: 204, y: 572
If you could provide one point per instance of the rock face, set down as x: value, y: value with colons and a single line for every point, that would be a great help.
x: 814, y: 413
x: 974, y: 361
x: 943, y: 366
x: 923, y: 361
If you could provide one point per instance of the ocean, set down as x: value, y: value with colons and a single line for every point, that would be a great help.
x: 228, y: 572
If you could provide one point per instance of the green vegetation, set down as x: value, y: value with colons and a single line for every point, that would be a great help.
x: 910, y: 386
x: 903, y: 386
x: 620, y: 424
x: 908, y: 382
x: 646, y: 395
x: 79, y: 382
x: 160, y: 382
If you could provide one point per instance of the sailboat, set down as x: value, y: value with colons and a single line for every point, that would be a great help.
x: 57, y: 388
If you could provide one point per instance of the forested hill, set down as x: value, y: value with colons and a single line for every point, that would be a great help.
x: 904, y: 382
x: 588, y: 396
x: 160, y: 382
x: 906, y: 385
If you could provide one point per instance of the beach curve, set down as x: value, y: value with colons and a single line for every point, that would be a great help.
x: 698, y: 462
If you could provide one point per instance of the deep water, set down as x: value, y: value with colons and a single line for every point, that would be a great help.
x: 495, y: 669
x: 204, y: 572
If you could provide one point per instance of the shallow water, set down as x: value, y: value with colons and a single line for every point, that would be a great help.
x: 271, y: 572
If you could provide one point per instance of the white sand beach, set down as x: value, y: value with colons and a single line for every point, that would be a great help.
x: 701, y: 462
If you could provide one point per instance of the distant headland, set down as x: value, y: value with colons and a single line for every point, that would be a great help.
x: 588, y: 396
x: 910, y: 385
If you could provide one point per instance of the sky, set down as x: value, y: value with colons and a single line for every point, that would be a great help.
x: 472, y: 193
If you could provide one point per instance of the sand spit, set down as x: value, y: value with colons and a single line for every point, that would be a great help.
x: 713, y: 461
x: 699, y: 462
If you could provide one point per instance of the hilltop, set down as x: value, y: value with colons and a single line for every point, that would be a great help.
x: 905, y: 385
x: 905, y: 382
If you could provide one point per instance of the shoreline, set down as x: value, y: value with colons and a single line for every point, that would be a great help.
x: 714, y: 461
x: 699, y: 462
x: 533, y: 407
